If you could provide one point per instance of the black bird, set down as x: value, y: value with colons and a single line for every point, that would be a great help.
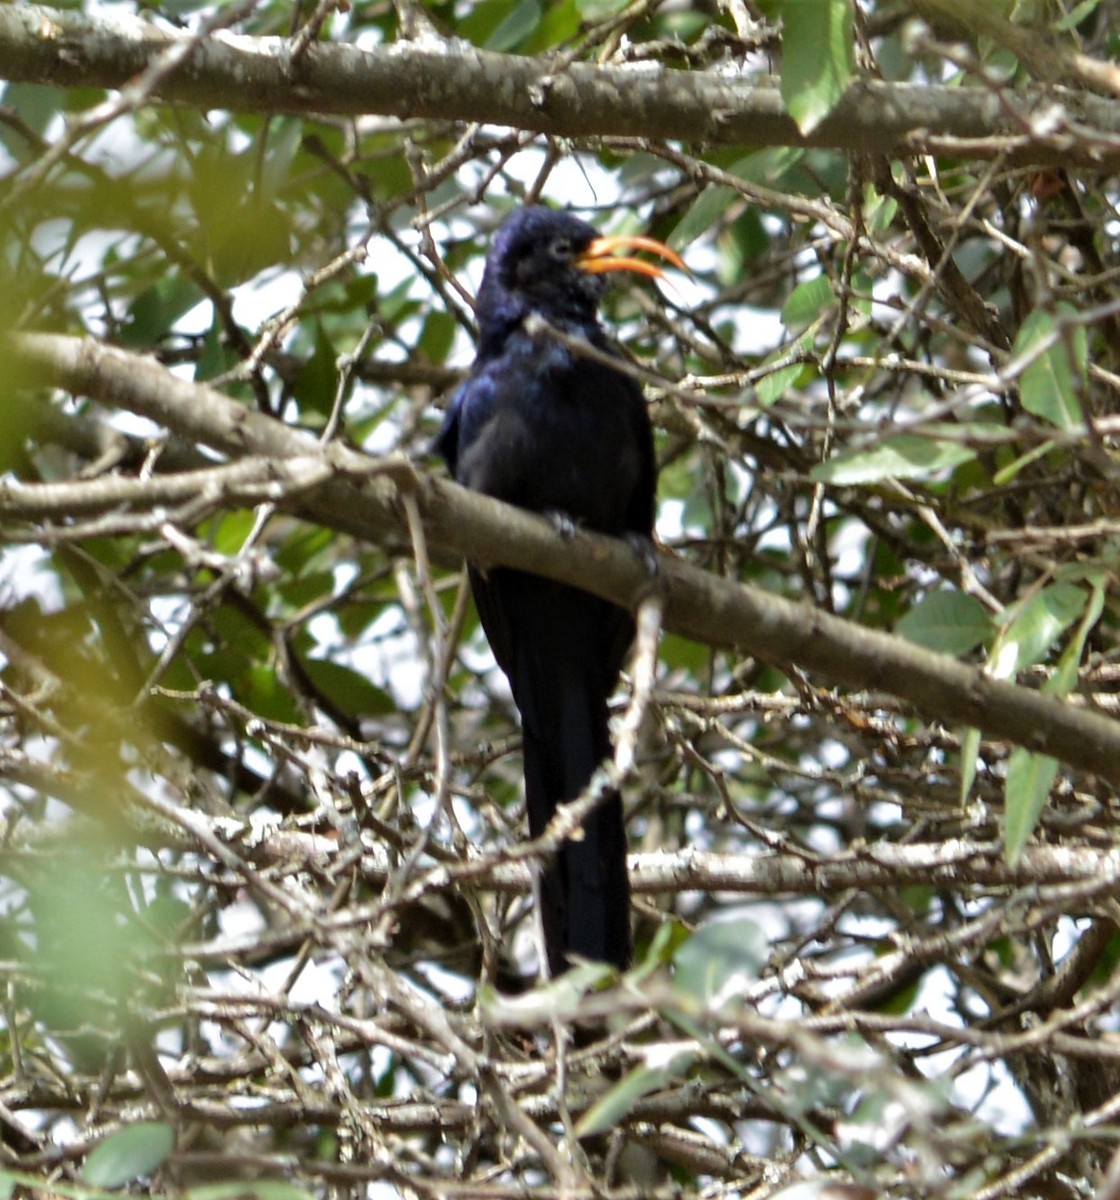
x: 544, y: 426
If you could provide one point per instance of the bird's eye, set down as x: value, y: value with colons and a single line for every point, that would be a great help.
x: 561, y: 249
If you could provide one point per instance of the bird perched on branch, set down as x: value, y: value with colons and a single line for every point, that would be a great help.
x: 541, y: 423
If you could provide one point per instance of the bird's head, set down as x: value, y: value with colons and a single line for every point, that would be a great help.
x: 552, y: 263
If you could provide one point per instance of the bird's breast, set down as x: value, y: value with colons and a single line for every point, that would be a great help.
x: 557, y: 433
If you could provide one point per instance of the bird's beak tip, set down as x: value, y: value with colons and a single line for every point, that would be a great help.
x: 602, y: 256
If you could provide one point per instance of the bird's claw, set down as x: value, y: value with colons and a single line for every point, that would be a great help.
x: 644, y: 548
x: 564, y: 523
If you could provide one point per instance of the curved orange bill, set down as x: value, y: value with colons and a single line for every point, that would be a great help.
x: 602, y: 256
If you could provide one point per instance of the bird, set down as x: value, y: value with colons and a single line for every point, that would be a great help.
x: 548, y: 419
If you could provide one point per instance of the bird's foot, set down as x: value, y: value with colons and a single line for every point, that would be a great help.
x: 564, y: 523
x: 644, y: 548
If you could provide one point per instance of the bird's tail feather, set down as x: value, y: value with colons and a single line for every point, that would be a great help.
x: 585, y: 890
x: 562, y: 649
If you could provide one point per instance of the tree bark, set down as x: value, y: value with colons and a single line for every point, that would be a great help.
x: 450, y: 79
x: 366, y: 497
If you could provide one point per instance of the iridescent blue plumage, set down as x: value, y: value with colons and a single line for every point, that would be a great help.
x: 540, y: 425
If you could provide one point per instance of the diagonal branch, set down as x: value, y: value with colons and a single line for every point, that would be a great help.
x: 365, y: 497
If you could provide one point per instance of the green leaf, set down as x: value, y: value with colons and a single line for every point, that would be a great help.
x: 89, y: 949
x: 260, y: 688
x: 156, y: 309
x: 129, y: 1154
x: 559, y: 23
x: 668, y: 937
x: 598, y: 10
x: 229, y: 532
x: 771, y: 388
x: 1079, y: 13
x: 241, y: 230
x: 316, y: 385
x: 1062, y: 681
x: 240, y: 634
x: 818, y: 57
x: 516, y: 26
x: 904, y: 456
x: 771, y: 167
x: 740, y: 244
x: 949, y: 621
x: 299, y: 591
x: 684, y: 654
x: 498, y: 26
x: 702, y: 214
x: 618, y: 1101
x: 37, y: 107
x: 1036, y: 626
x: 970, y: 756
x: 438, y: 335
x: 1028, y: 638
x: 347, y: 689
x: 558, y: 998
x: 720, y: 959
x: 285, y: 139
x: 1051, y: 384
x: 1006, y: 474
x: 807, y: 302
x: 878, y: 210
x: 306, y: 548
x: 1030, y: 777
x: 217, y: 356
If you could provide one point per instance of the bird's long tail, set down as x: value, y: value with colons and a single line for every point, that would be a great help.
x: 585, y: 891
x: 562, y: 650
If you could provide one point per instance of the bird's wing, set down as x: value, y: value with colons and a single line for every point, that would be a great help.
x: 446, y: 443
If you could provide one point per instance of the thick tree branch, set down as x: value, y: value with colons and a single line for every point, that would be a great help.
x: 365, y: 498
x: 879, y: 866
x: 452, y: 80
